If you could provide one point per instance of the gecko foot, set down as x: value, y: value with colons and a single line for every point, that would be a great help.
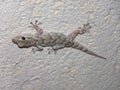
x: 36, y: 49
x: 35, y: 23
x: 86, y: 27
x: 50, y: 50
x: 36, y: 26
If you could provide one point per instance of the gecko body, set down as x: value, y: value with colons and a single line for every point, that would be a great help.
x: 52, y: 39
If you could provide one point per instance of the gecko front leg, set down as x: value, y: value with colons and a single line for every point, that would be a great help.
x: 37, y: 27
x: 37, y: 48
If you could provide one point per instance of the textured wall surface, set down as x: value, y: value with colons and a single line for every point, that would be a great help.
x: 70, y: 69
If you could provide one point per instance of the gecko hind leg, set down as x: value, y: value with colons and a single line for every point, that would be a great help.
x: 80, y: 30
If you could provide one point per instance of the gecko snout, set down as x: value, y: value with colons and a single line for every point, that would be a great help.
x: 13, y: 40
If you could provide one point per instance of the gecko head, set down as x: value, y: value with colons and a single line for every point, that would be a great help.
x: 24, y: 41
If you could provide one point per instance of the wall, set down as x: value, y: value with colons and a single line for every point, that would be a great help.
x: 69, y: 69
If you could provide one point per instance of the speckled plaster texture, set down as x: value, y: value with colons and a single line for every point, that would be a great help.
x: 69, y: 69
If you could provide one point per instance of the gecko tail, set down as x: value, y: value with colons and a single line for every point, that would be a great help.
x: 84, y: 49
x: 92, y: 53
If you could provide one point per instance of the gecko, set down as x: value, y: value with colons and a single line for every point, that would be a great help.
x: 54, y: 40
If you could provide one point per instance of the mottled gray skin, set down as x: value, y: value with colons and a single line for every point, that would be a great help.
x: 55, y: 40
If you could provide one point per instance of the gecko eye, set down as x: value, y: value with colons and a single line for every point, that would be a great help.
x: 23, y: 38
